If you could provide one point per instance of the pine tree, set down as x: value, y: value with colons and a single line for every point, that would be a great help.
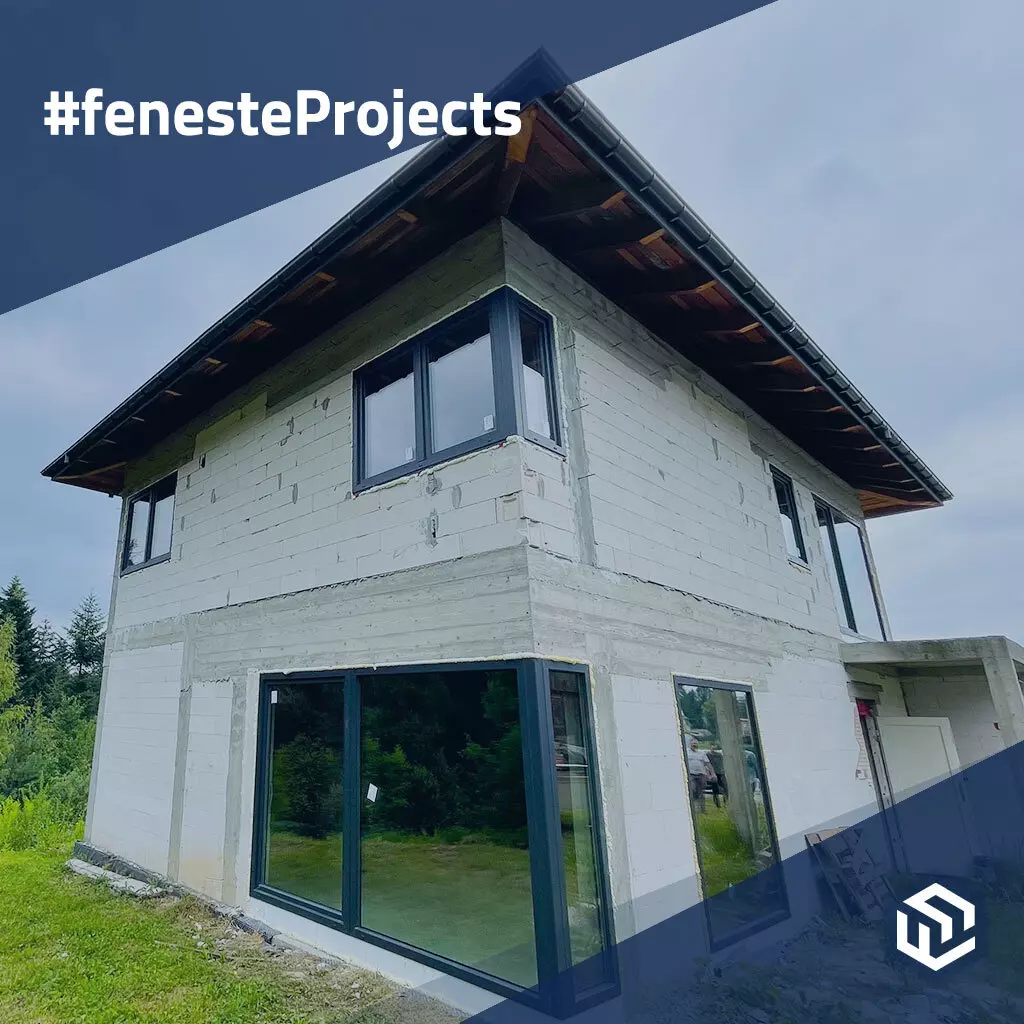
x: 83, y: 651
x: 85, y: 636
x: 15, y: 607
x: 11, y: 716
x: 53, y: 656
x: 8, y: 669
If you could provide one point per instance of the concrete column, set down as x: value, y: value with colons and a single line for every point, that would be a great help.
x: 741, y: 800
x: 1004, y: 685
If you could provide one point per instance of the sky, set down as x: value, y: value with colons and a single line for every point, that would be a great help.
x: 859, y: 156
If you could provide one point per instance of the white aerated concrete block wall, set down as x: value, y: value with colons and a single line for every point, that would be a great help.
x: 677, y: 565
x: 659, y: 841
x: 652, y: 547
x: 676, y: 468
x: 134, y: 781
x: 204, y: 810
x: 264, y: 503
x: 962, y: 696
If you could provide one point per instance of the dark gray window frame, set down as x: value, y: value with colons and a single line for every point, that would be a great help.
x: 844, y: 603
x: 144, y: 494
x: 778, y: 477
x: 560, y: 990
x: 504, y: 308
x: 769, y: 920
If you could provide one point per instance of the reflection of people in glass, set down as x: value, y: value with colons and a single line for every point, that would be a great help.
x: 719, y: 787
x: 698, y: 764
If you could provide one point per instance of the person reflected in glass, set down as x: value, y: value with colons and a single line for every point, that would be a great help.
x: 698, y: 765
x: 719, y: 786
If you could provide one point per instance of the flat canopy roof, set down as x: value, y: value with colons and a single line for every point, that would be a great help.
x: 923, y: 654
x: 572, y: 182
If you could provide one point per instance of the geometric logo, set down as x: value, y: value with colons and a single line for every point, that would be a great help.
x: 921, y: 951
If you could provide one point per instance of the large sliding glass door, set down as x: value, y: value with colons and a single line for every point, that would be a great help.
x: 447, y: 812
x: 445, y: 853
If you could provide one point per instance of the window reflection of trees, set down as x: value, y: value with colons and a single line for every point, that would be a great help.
x: 445, y: 859
x: 304, y: 848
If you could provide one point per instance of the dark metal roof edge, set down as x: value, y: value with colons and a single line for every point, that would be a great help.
x: 595, y: 133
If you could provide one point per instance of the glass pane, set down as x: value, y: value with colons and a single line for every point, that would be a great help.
x: 575, y: 800
x: 461, y: 386
x: 825, y: 532
x: 389, y: 416
x: 163, y: 517
x: 788, y: 516
x: 741, y: 880
x: 138, y: 524
x: 858, y: 581
x: 535, y: 383
x: 304, y: 822
x: 445, y: 858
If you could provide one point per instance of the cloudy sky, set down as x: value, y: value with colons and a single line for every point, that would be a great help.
x: 860, y: 156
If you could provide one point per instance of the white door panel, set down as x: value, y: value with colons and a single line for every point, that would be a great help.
x: 918, y: 752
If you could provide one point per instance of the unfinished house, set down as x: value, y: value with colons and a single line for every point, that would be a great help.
x: 493, y: 561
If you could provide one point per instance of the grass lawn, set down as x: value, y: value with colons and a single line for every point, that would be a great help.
x: 74, y: 952
x: 469, y: 901
x: 726, y: 859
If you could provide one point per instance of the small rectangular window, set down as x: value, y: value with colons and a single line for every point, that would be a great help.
x: 788, y: 516
x: 847, y: 561
x: 150, y: 524
x: 482, y: 375
x: 737, y: 848
x: 163, y: 518
x: 138, y: 528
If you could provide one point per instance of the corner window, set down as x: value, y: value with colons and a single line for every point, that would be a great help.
x: 480, y: 376
x: 445, y: 812
x: 577, y: 811
x: 737, y: 848
x: 848, y: 569
x: 788, y: 516
x: 150, y: 520
x: 460, y: 384
x: 538, y: 375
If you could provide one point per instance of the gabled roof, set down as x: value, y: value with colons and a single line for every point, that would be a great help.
x: 573, y: 183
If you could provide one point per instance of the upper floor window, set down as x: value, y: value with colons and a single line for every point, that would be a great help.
x: 786, y: 501
x: 150, y: 518
x: 476, y: 378
x: 851, y: 576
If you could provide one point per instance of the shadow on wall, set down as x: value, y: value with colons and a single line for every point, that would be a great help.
x: 829, y: 953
